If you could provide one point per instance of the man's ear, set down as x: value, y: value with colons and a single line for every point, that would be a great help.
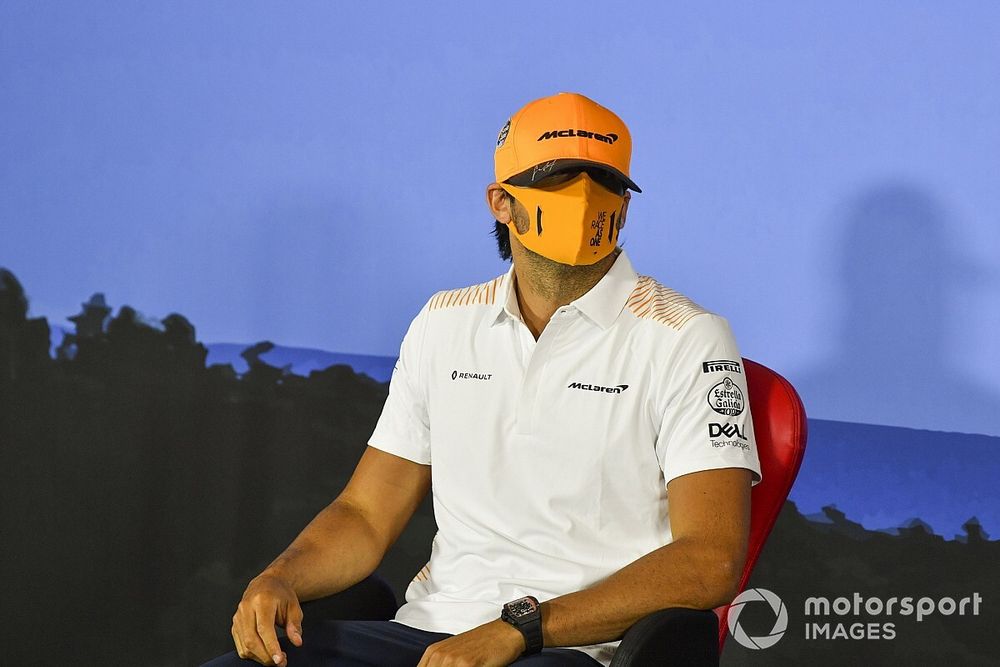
x: 496, y: 199
x: 621, y: 220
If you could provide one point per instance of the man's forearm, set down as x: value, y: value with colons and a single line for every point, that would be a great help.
x: 680, y: 574
x: 336, y: 550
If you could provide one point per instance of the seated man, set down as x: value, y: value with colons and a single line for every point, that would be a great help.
x: 554, y: 411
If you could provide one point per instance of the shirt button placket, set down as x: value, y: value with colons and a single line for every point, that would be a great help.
x: 528, y: 405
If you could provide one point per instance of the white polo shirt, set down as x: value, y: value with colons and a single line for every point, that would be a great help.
x: 549, y: 459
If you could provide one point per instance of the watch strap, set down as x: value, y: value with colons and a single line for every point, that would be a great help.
x: 532, y: 631
x: 530, y: 628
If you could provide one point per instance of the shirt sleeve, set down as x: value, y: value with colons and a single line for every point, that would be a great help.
x: 705, y: 420
x: 403, y: 428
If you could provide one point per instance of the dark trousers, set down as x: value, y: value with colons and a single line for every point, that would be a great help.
x: 382, y: 644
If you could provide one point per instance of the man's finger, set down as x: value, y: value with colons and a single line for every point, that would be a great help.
x: 239, y: 638
x: 294, y: 633
x: 293, y: 623
x: 265, y: 629
x: 253, y: 645
x: 240, y: 650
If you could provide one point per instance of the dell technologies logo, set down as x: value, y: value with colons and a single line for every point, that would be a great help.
x: 728, y: 430
x: 596, y: 387
x: 733, y: 435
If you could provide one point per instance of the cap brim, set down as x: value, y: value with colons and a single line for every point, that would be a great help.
x: 529, y: 177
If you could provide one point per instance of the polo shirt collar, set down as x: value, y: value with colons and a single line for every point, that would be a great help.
x: 601, y: 305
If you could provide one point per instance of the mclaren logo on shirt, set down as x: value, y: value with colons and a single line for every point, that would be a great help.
x: 596, y: 387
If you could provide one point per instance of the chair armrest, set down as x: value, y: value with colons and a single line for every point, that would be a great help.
x: 370, y: 599
x: 674, y: 636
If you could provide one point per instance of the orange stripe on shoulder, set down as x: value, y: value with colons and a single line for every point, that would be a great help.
x: 651, y: 300
x: 481, y: 294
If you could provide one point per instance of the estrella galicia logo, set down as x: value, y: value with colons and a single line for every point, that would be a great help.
x: 596, y: 387
x: 720, y: 366
x: 463, y: 375
x: 726, y: 398
x: 727, y: 430
x: 502, y: 137
x: 780, y: 618
x: 608, y: 138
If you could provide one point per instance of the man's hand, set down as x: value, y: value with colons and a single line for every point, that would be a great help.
x: 267, y: 601
x: 493, y: 644
x: 341, y: 546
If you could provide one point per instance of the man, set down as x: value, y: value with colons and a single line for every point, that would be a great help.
x: 553, y: 411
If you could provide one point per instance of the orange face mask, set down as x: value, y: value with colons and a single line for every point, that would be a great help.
x: 575, y: 222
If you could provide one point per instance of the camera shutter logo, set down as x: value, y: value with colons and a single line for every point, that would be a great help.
x: 780, y: 618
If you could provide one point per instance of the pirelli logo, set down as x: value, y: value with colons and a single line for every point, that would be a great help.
x: 721, y: 366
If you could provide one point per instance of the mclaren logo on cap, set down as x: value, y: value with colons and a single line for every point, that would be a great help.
x: 608, y: 138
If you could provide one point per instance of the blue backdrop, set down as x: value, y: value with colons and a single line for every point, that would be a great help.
x: 823, y: 175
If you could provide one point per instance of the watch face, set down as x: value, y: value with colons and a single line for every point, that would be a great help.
x: 521, y: 608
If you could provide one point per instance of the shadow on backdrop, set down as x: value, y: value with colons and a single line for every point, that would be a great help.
x: 900, y: 272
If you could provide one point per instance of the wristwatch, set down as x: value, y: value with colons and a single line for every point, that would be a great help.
x: 525, y: 614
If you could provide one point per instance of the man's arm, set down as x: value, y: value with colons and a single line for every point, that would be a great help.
x: 700, y: 568
x: 340, y: 547
x: 348, y: 539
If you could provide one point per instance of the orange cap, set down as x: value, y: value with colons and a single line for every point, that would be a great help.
x: 561, y: 132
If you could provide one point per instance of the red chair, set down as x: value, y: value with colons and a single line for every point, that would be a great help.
x: 679, y: 636
x: 779, y: 424
x: 675, y: 636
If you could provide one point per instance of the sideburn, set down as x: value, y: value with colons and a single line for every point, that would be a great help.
x: 519, y: 214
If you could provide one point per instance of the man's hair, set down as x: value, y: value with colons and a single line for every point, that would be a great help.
x: 502, y: 233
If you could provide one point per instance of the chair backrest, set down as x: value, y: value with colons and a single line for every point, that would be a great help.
x: 779, y: 424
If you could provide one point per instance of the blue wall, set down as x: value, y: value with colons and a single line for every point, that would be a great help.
x: 823, y: 175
